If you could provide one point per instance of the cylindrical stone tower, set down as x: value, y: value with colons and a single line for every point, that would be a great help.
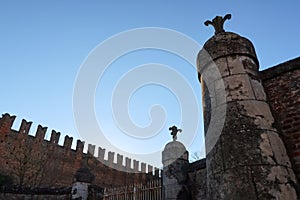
x: 246, y: 158
x: 175, y: 172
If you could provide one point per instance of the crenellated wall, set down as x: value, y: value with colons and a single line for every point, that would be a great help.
x: 34, y: 161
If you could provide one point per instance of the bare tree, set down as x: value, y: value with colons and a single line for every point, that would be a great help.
x: 196, y: 156
x: 27, y: 161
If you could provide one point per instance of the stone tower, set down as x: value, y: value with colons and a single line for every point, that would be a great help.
x: 246, y: 158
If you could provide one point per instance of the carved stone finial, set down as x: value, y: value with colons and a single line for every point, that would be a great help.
x: 218, y: 23
x: 174, y: 130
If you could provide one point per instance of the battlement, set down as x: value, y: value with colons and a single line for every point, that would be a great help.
x: 133, y: 166
x: 130, y: 165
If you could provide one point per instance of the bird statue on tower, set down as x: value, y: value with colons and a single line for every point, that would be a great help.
x: 174, y: 130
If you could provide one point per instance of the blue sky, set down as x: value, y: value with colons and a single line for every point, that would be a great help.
x: 44, y: 44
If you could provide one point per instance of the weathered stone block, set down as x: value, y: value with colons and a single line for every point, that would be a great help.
x: 260, y: 112
x: 222, y: 65
x: 243, y: 149
x: 235, y: 64
x: 212, y: 72
x: 215, y: 126
x: 239, y: 64
x: 233, y: 183
x: 258, y: 90
x: 238, y: 87
x: 220, y: 93
x: 215, y: 159
x: 278, y: 149
x: 273, y: 183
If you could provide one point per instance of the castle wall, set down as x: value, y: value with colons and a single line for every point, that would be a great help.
x: 34, y: 161
x: 282, y: 85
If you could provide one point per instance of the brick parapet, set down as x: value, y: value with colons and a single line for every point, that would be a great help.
x: 61, y: 162
x: 280, y: 69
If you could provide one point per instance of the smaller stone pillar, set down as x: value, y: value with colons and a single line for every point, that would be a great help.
x: 83, y: 178
x: 175, y: 175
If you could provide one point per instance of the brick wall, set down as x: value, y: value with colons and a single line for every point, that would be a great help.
x: 34, y: 161
x: 282, y: 86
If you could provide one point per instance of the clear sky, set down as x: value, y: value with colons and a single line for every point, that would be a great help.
x: 44, y: 45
